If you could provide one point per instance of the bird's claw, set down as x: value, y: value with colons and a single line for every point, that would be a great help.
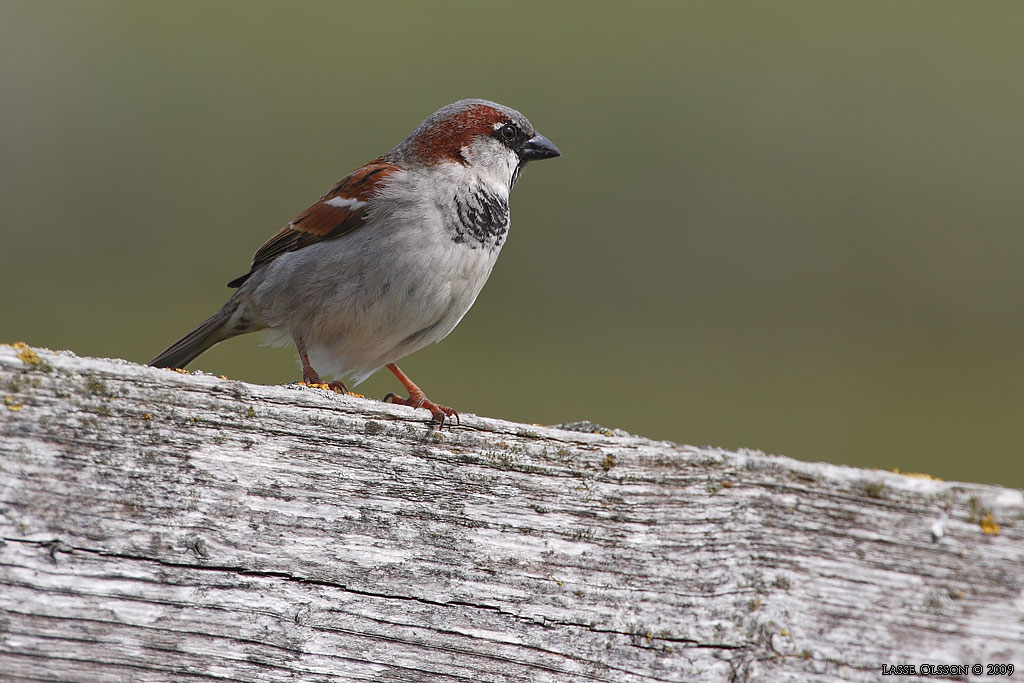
x: 311, y: 379
x: 439, y: 412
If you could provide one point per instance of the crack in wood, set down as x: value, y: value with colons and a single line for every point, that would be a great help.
x: 56, y: 545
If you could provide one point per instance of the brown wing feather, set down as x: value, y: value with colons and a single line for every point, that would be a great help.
x: 324, y: 221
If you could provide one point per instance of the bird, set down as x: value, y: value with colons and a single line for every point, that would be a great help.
x: 390, y: 259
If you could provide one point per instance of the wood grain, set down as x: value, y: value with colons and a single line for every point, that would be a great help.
x: 165, y: 526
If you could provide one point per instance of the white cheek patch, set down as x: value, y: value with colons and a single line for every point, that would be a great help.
x: 492, y: 160
x: 343, y: 203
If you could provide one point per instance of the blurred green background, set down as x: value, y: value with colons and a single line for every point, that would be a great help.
x: 788, y: 226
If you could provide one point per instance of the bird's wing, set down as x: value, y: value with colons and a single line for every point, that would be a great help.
x: 340, y: 211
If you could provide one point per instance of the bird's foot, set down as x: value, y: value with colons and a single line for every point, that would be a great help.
x: 311, y: 379
x: 419, y: 400
x: 309, y: 376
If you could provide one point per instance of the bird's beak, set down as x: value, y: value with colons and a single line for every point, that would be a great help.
x: 538, y: 147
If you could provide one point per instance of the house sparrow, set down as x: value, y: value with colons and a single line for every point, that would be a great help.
x: 391, y: 258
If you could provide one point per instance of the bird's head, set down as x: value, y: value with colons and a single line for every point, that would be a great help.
x: 492, y: 139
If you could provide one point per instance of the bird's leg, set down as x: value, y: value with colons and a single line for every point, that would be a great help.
x: 417, y: 399
x: 309, y: 375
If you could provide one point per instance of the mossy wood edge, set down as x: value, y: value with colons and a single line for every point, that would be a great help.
x: 168, y: 526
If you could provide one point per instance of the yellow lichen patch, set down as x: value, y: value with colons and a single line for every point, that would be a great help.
x: 182, y: 371
x: 989, y: 525
x: 915, y: 475
x: 27, y: 355
x: 352, y: 393
x: 608, y: 462
x: 148, y: 416
x: 326, y: 387
x: 11, y: 404
x: 784, y: 632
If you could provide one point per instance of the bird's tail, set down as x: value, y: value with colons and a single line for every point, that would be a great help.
x: 222, y: 325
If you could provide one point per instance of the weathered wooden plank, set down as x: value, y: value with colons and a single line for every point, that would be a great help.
x: 165, y: 526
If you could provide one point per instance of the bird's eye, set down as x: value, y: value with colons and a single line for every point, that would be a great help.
x: 508, y: 132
